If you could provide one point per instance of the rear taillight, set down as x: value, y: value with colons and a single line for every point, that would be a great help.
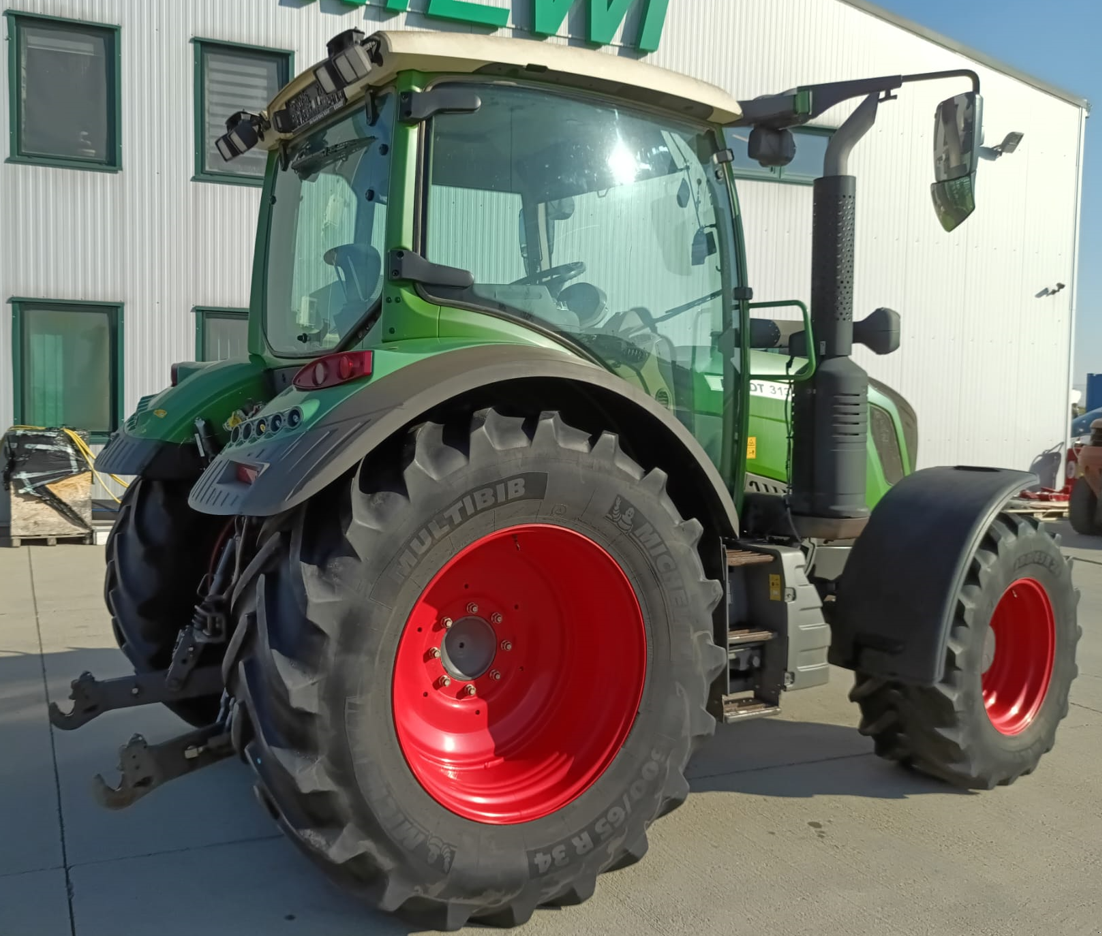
x: 334, y: 369
x: 1072, y: 468
x: 246, y: 474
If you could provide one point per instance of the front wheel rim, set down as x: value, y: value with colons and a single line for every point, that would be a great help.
x: 519, y: 674
x: 1023, y: 628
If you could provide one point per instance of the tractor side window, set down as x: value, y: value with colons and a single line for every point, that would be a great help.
x: 326, y: 240
x: 608, y: 226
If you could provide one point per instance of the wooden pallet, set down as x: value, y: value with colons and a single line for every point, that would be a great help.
x: 86, y: 538
x: 1041, y: 510
x: 35, y: 519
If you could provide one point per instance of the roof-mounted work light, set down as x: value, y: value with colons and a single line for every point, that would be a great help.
x: 243, y: 132
x: 348, y: 62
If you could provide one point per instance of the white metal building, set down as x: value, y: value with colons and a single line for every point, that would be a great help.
x: 124, y: 246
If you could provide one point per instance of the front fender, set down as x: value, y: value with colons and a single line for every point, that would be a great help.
x: 897, y: 595
x: 292, y: 466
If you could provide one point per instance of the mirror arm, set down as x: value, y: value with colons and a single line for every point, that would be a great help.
x: 954, y: 73
x: 842, y: 142
x: 795, y: 108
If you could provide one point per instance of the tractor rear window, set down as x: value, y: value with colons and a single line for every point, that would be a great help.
x: 606, y: 225
x: 325, y: 242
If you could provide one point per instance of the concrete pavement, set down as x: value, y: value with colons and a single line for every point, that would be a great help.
x: 794, y: 827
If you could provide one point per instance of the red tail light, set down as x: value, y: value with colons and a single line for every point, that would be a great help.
x: 246, y: 474
x: 334, y: 369
x: 1072, y: 464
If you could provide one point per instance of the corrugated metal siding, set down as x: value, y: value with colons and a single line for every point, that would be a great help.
x: 984, y: 361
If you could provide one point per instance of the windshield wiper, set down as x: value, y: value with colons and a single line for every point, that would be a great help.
x: 677, y: 310
x: 308, y: 163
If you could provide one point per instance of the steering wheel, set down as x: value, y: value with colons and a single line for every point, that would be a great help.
x: 561, y: 273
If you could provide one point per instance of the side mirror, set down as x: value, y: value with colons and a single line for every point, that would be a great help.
x: 958, y: 132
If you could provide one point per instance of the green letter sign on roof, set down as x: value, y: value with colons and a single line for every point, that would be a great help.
x: 603, y: 17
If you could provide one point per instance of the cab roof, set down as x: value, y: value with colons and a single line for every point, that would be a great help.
x: 561, y: 65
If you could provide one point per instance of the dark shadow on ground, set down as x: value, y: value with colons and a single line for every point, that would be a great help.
x: 772, y: 757
x: 208, y: 825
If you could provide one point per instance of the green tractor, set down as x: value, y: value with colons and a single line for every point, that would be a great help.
x: 462, y: 559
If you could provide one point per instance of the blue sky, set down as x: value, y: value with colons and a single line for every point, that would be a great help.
x: 1059, y: 43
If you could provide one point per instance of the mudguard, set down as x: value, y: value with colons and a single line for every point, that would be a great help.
x: 292, y: 467
x: 158, y: 440
x: 897, y: 596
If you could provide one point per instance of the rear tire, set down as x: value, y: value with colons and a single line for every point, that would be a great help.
x: 346, y: 739
x: 1083, y: 509
x: 158, y: 552
x: 1009, y: 665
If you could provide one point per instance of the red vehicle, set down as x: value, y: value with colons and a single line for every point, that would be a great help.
x: 1083, y: 506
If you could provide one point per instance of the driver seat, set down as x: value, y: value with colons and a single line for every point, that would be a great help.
x: 359, y: 268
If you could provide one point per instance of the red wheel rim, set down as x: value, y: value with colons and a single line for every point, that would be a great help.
x: 1023, y: 631
x: 547, y: 630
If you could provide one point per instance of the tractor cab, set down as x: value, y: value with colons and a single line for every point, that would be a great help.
x: 605, y: 227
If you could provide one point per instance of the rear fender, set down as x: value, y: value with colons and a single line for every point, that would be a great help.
x: 292, y: 467
x: 897, y: 596
x: 158, y: 440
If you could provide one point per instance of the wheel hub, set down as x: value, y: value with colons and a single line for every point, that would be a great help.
x: 1022, y: 647
x: 519, y: 674
x: 468, y: 648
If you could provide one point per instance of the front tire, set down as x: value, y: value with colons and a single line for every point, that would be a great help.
x: 448, y: 804
x: 1009, y: 665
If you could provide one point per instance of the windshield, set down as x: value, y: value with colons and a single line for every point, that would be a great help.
x: 1081, y: 425
x: 607, y: 225
x: 325, y: 242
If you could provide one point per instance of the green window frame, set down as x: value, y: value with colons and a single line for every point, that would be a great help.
x: 203, y: 316
x: 19, y: 151
x: 285, y: 61
x: 23, y: 311
x: 799, y: 172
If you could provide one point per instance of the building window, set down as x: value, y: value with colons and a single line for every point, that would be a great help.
x: 64, y: 77
x: 231, y: 78
x: 811, y: 146
x: 221, y: 334
x: 67, y: 364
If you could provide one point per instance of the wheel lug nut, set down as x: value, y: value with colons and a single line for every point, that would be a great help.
x: 447, y: 622
x: 506, y: 645
x: 494, y: 674
x: 472, y: 608
x: 444, y: 682
x: 470, y: 690
x: 435, y: 653
x: 496, y: 618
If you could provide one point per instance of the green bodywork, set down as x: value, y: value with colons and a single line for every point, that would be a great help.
x: 770, y: 424
x: 410, y: 327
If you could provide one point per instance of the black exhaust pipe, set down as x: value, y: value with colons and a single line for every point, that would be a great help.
x: 830, y: 411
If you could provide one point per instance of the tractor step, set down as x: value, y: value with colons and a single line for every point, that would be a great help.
x: 741, y: 709
x: 736, y: 637
x: 745, y: 557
